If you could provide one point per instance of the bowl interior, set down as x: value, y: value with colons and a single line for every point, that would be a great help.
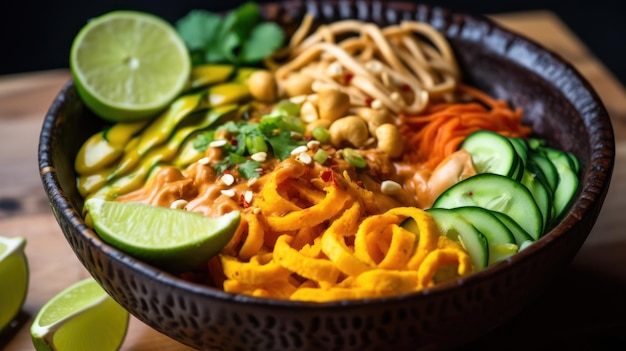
x: 557, y: 101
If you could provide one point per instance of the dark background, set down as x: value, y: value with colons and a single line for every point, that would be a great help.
x: 38, y: 36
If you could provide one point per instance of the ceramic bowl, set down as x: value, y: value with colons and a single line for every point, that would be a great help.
x: 558, y: 102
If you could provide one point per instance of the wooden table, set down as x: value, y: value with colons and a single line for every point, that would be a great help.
x: 583, y: 309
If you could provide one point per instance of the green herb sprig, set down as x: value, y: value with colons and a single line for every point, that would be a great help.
x: 241, y: 37
x: 273, y: 134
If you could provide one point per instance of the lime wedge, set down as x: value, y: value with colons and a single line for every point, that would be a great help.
x: 128, y: 65
x: 172, y: 239
x: 13, y: 278
x: 81, y: 317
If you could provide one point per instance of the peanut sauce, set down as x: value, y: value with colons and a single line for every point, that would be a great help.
x: 204, y: 192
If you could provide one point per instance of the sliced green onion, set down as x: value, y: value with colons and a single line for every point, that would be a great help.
x: 320, y: 156
x: 354, y: 158
x: 321, y: 134
x: 256, y: 143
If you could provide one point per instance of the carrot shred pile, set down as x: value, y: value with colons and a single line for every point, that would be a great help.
x: 321, y: 238
x: 438, y: 131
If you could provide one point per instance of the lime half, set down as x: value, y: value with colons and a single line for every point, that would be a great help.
x: 128, y: 65
x: 13, y: 278
x: 81, y: 317
x: 172, y: 239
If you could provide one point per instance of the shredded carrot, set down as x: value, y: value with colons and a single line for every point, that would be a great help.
x: 438, y: 131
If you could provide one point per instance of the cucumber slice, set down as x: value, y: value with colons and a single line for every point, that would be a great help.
x: 519, y: 171
x: 536, y: 143
x: 575, y: 162
x: 492, y: 153
x: 532, y: 179
x: 540, y: 161
x: 567, y: 186
x: 521, y: 148
x: 497, y: 193
x: 458, y: 229
x: 520, y: 235
x: 500, y: 240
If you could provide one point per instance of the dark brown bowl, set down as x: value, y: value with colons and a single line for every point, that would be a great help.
x: 560, y: 105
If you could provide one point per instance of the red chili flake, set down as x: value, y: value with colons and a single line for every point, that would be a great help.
x: 368, y: 101
x: 359, y: 183
x: 242, y: 201
x: 405, y: 88
x: 348, y: 77
x: 327, y: 175
x: 233, y: 141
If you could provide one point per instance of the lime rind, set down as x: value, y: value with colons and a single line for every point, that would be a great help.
x: 14, y: 278
x: 80, y: 317
x: 118, y: 59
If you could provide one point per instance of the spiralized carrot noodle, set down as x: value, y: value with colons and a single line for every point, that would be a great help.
x: 359, y: 254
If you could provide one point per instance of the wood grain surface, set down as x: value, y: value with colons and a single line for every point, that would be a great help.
x: 582, y: 309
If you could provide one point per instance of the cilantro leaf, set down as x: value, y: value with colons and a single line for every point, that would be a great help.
x: 223, y: 165
x: 238, y: 38
x: 199, y: 28
x: 282, y: 144
x: 248, y: 169
x: 242, y: 20
x: 201, y: 141
x: 264, y: 39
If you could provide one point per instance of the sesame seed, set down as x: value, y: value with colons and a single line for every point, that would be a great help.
x: 305, y: 158
x: 260, y: 156
x: 300, y: 149
x: 377, y: 104
x: 204, y: 161
x: 389, y: 187
x: 179, y: 204
x: 228, y: 192
x: 228, y: 179
x: 218, y: 143
x: 247, y: 196
x: 313, y: 144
